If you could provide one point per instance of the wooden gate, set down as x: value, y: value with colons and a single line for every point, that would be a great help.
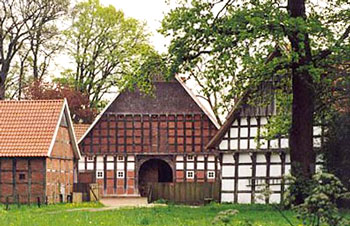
x: 192, y: 193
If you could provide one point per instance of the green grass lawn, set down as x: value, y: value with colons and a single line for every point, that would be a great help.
x: 171, y: 215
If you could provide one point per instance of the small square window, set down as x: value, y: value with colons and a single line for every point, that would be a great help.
x: 120, y: 174
x: 190, y: 157
x: 120, y: 158
x: 22, y: 176
x: 90, y: 158
x: 190, y: 174
x: 211, y: 174
x: 99, y: 174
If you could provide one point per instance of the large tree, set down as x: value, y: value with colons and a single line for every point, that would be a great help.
x: 25, y: 28
x: 106, y: 47
x: 292, y: 43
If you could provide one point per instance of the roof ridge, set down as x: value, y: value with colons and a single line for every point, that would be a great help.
x: 42, y: 100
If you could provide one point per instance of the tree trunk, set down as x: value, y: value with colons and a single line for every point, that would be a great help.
x: 3, y: 75
x: 301, y: 136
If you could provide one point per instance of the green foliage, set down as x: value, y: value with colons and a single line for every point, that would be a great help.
x: 320, y: 205
x: 64, y: 214
x: 109, y: 50
x: 229, y: 46
x: 336, y: 150
x: 224, y: 217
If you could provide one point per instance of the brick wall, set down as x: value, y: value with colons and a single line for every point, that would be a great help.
x: 22, y: 179
x: 60, y: 168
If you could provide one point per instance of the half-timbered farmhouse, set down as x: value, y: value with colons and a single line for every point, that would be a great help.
x: 139, y: 139
x: 38, y: 151
x: 250, y: 163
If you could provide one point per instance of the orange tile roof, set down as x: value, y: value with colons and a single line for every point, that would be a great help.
x: 80, y: 130
x: 27, y: 127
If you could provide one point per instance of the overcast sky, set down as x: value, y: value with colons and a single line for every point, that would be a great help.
x: 149, y: 11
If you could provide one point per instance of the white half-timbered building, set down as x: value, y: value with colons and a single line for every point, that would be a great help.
x: 249, y: 162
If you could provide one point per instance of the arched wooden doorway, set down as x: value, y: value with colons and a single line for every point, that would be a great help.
x: 153, y: 171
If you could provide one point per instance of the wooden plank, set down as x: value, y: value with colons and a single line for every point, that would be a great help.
x: 253, y: 157
x: 29, y: 181
x: 236, y: 158
x: 267, y: 181
x: 115, y: 174
x: 0, y: 178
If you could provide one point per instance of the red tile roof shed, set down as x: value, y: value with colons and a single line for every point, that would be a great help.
x: 27, y: 127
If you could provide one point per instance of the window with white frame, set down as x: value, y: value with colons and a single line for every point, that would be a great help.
x: 120, y: 158
x: 90, y: 158
x: 190, y: 157
x: 120, y: 174
x: 99, y: 174
x: 211, y: 174
x: 189, y: 174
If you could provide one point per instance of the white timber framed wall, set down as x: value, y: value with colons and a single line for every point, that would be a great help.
x: 251, y: 163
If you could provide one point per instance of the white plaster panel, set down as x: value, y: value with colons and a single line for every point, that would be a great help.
x: 190, y: 165
x: 233, y: 144
x: 228, y: 158
x: 259, y: 199
x: 130, y: 166
x: 211, y: 158
x: 99, y: 165
x: 274, y: 143
x: 228, y: 171
x: 223, y: 145
x: 110, y: 166
x: 131, y: 158
x: 211, y: 166
x: 318, y: 168
x: 110, y: 158
x: 228, y: 185
x: 253, y: 121
x: 243, y: 185
x: 120, y: 165
x: 275, y: 170
x: 179, y: 158
x: 287, y: 169
x: 227, y: 197
x: 244, y: 132
x: 288, y: 158
x: 200, y: 165
x: 244, y: 121
x: 219, y: 166
x: 261, y: 170
x: 317, y: 131
x: 260, y: 158
x: 244, y: 198
x: 99, y: 158
x: 235, y: 123
x: 244, y: 171
x: 253, y: 144
x: 81, y: 166
x: 200, y: 158
x: 263, y: 144
x: 275, y: 158
x: 243, y: 144
x: 179, y: 165
x: 275, y: 198
x: 317, y: 142
x: 275, y: 187
x: 90, y: 166
x: 253, y: 131
x: 263, y: 121
x: 234, y: 132
x: 284, y: 143
x: 226, y: 135
x: 245, y: 158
